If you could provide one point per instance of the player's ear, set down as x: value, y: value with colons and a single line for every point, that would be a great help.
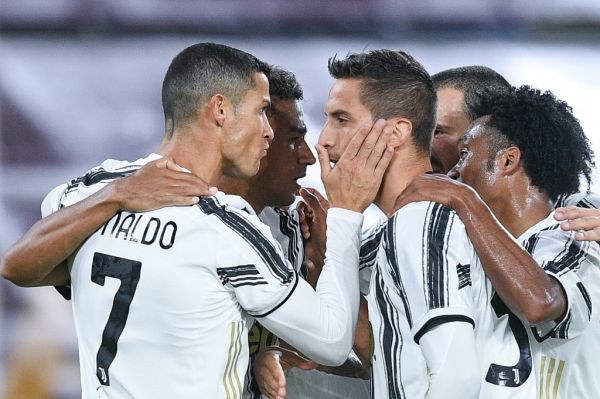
x: 401, y: 131
x: 509, y: 160
x: 219, y: 108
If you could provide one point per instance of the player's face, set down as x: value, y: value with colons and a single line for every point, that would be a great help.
x: 345, y: 115
x: 288, y: 156
x: 452, y: 122
x: 248, y: 133
x: 473, y: 167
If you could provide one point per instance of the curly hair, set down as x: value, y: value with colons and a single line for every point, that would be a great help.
x: 554, y: 147
x: 394, y: 84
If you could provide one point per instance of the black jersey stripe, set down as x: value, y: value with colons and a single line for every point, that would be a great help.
x: 289, y: 228
x: 98, y: 175
x: 586, y: 298
x: 392, y: 256
x: 570, y: 258
x: 369, y: 248
x: 252, y: 235
x: 390, y: 340
x: 437, y: 233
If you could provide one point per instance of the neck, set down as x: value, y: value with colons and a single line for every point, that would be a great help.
x: 519, y: 209
x: 404, y: 167
x: 241, y: 187
x: 197, y: 150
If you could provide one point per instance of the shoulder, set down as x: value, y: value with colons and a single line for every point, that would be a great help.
x: 429, y: 217
x: 582, y: 200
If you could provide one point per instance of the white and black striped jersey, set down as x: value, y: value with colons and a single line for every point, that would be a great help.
x: 301, y: 384
x: 285, y: 227
x: 369, y: 247
x: 427, y: 274
x: 582, y: 200
x: 161, y: 299
x: 566, y: 353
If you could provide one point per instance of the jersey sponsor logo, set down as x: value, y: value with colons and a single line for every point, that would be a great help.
x: 139, y: 228
x: 464, y: 275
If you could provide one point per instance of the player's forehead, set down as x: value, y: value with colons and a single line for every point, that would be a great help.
x: 476, y: 132
x: 344, y: 96
x: 287, y: 117
x: 258, y: 92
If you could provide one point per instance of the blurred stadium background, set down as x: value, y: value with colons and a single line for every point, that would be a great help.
x: 80, y: 81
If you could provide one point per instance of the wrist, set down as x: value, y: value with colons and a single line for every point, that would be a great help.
x: 111, y: 197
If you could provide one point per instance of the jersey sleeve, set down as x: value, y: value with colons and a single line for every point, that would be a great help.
x: 564, y: 258
x: 52, y: 201
x: 251, y: 263
x: 428, y: 247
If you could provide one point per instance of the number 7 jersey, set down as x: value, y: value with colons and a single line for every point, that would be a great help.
x: 161, y: 299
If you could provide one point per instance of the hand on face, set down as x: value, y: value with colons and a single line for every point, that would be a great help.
x: 158, y: 184
x: 354, y: 181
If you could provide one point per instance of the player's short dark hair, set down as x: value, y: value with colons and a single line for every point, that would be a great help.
x: 283, y: 85
x: 203, y: 70
x: 554, y: 147
x: 470, y: 80
x: 394, y: 84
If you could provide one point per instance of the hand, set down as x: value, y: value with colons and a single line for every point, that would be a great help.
x: 313, y: 223
x: 354, y: 181
x: 269, y: 374
x: 158, y: 184
x: 435, y: 188
x: 584, y: 221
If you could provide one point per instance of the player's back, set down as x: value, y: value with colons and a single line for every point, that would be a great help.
x: 152, y: 314
x: 161, y: 298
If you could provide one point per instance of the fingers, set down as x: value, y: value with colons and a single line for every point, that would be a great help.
x: 574, y: 212
x: 356, y: 142
x: 381, y: 145
x: 384, y: 162
x: 269, y: 374
x: 304, y: 228
x: 584, y: 221
x: 323, y: 161
x: 311, y: 200
x: 322, y: 200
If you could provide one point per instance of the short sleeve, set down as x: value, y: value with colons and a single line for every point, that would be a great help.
x: 564, y: 258
x: 252, y: 264
x: 52, y: 201
x: 433, y: 256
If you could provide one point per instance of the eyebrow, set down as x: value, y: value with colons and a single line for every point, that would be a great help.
x: 337, y: 112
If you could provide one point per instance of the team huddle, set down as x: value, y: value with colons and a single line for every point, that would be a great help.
x: 205, y: 271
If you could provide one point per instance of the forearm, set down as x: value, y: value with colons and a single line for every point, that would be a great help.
x: 321, y: 323
x: 32, y: 259
x: 521, y: 283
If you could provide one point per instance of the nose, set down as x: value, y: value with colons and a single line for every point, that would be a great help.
x: 306, y: 156
x: 268, y: 131
x: 326, y: 138
x: 453, y: 173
